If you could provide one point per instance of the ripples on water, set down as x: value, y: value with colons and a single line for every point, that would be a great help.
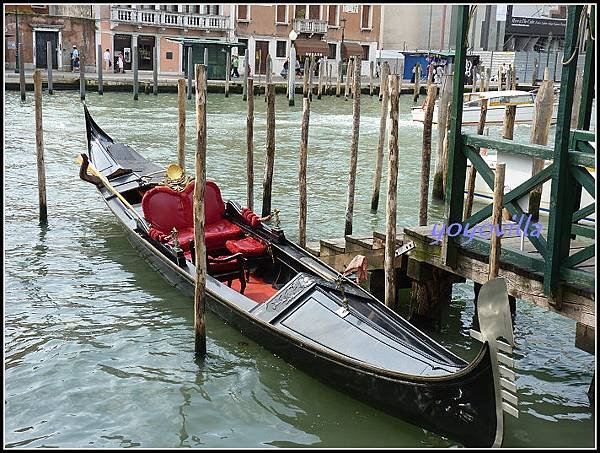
x: 99, y: 350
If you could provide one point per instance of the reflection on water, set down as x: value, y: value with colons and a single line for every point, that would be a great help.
x: 99, y: 349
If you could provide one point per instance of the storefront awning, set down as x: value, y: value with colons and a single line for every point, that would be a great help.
x: 311, y: 47
x: 351, y: 49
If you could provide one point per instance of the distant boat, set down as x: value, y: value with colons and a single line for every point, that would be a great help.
x: 497, y: 101
x: 305, y: 312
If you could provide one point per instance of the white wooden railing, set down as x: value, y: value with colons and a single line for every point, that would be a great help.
x: 310, y: 26
x: 168, y: 19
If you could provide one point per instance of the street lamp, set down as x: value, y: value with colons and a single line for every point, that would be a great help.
x: 343, y: 21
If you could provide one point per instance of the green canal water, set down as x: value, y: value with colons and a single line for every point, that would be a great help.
x: 99, y: 350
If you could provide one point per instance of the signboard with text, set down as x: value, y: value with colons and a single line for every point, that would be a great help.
x: 535, y: 26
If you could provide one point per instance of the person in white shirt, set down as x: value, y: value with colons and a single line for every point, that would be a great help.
x: 106, y: 58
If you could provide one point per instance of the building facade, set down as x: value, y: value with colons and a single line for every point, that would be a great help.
x: 62, y: 25
x: 319, y: 29
x: 122, y: 27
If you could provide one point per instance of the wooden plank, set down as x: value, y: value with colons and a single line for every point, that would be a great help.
x: 508, y: 146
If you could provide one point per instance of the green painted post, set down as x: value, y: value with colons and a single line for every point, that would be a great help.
x: 457, y: 161
x: 562, y: 197
x: 587, y: 88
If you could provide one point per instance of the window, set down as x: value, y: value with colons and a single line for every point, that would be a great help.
x: 333, y: 19
x: 300, y: 12
x: 213, y: 10
x: 169, y: 55
x: 280, y: 50
x: 243, y: 13
x: 241, y: 50
x: 332, y: 51
x: 314, y: 12
x: 365, y: 18
x: 281, y: 14
x: 366, y: 52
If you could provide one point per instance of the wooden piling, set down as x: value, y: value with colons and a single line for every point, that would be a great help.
x: 258, y: 71
x: 39, y: 145
x: 416, y: 87
x: 371, y: 67
x: 383, y: 89
x: 310, y: 77
x: 291, y: 76
x: 305, y: 78
x: 499, y: 77
x: 320, y: 80
x: 206, y: 59
x: 576, y: 99
x: 426, y: 155
x: 508, y: 125
x: 190, y: 73
x: 390, y: 213
x: 482, y: 79
x: 49, y: 62
x: 250, y: 146
x: 246, y: 66
x: 329, y: 70
x: 443, y: 120
x: 497, y: 220
x: 154, y: 71
x: 134, y: 64
x: 270, y: 160
x: 534, y: 73
x: 199, y: 214
x: 542, y: 118
x: 269, y: 73
x: 513, y: 77
x: 302, y: 172
x: 82, y: 76
x: 472, y: 170
x: 339, y: 75
x: 227, y: 73
x: 445, y: 150
x: 353, y: 147
x: 181, y: 123
x: 488, y: 76
x: 21, y: 72
x: 348, y: 69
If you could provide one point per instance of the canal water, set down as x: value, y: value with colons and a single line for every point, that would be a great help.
x: 99, y: 349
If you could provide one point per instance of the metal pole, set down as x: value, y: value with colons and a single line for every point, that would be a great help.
x: 190, y: 72
x: 135, y: 73
x: 292, y: 76
x: 22, y: 74
x: 155, y: 71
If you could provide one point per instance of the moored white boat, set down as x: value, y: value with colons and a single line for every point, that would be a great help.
x: 497, y: 102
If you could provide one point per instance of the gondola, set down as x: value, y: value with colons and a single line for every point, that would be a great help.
x: 302, y: 310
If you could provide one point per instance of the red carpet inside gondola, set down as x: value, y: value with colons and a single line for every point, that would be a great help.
x: 256, y: 289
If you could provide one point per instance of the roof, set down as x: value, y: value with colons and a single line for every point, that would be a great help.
x: 192, y: 41
x: 311, y: 46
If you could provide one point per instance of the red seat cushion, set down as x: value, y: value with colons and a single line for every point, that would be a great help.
x: 247, y: 247
x: 166, y: 209
x: 218, y: 233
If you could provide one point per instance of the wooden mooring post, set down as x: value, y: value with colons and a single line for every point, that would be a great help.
x: 199, y: 214
x: 305, y: 78
x: 338, y: 79
x: 497, y: 220
x: 154, y: 71
x: 270, y: 160
x: 472, y: 170
x: 136, y: 82
x: 181, y: 123
x: 189, y: 71
x: 49, y: 63
x: 98, y: 65
x: 320, y: 80
x: 426, y: 155
x: 391, y: 205
x: 291, y: 76
x: 269, y: 73
x: 353, y: 147
x: 227, y: 73
x: 416, y: 87
x: 22, y: 86
x: 383, y: 89
x: 39, y: 145
x: 443, y: 120
x: 542, y: 118
x: 302, y: 172
x: 329, y: 70
x: 348, y: 69
x: 371, y: 67
x: 82, y: 76
x: 246, y: 67
x: 250, y: 146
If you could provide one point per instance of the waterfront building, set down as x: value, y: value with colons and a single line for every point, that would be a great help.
x: 318, y: 30
x: 62, y: 25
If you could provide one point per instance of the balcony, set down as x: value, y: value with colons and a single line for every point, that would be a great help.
x: 310, y: 26
x: 159, y: 18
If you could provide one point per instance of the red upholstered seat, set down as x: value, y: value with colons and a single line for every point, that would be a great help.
x: 166, y: 209
x: 247, y: 247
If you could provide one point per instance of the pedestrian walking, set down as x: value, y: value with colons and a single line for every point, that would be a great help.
x: 121, y: 62
x: 106, y: 58
x: 234, y: 65
x: 286, y: 69
x: 74, y: 58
